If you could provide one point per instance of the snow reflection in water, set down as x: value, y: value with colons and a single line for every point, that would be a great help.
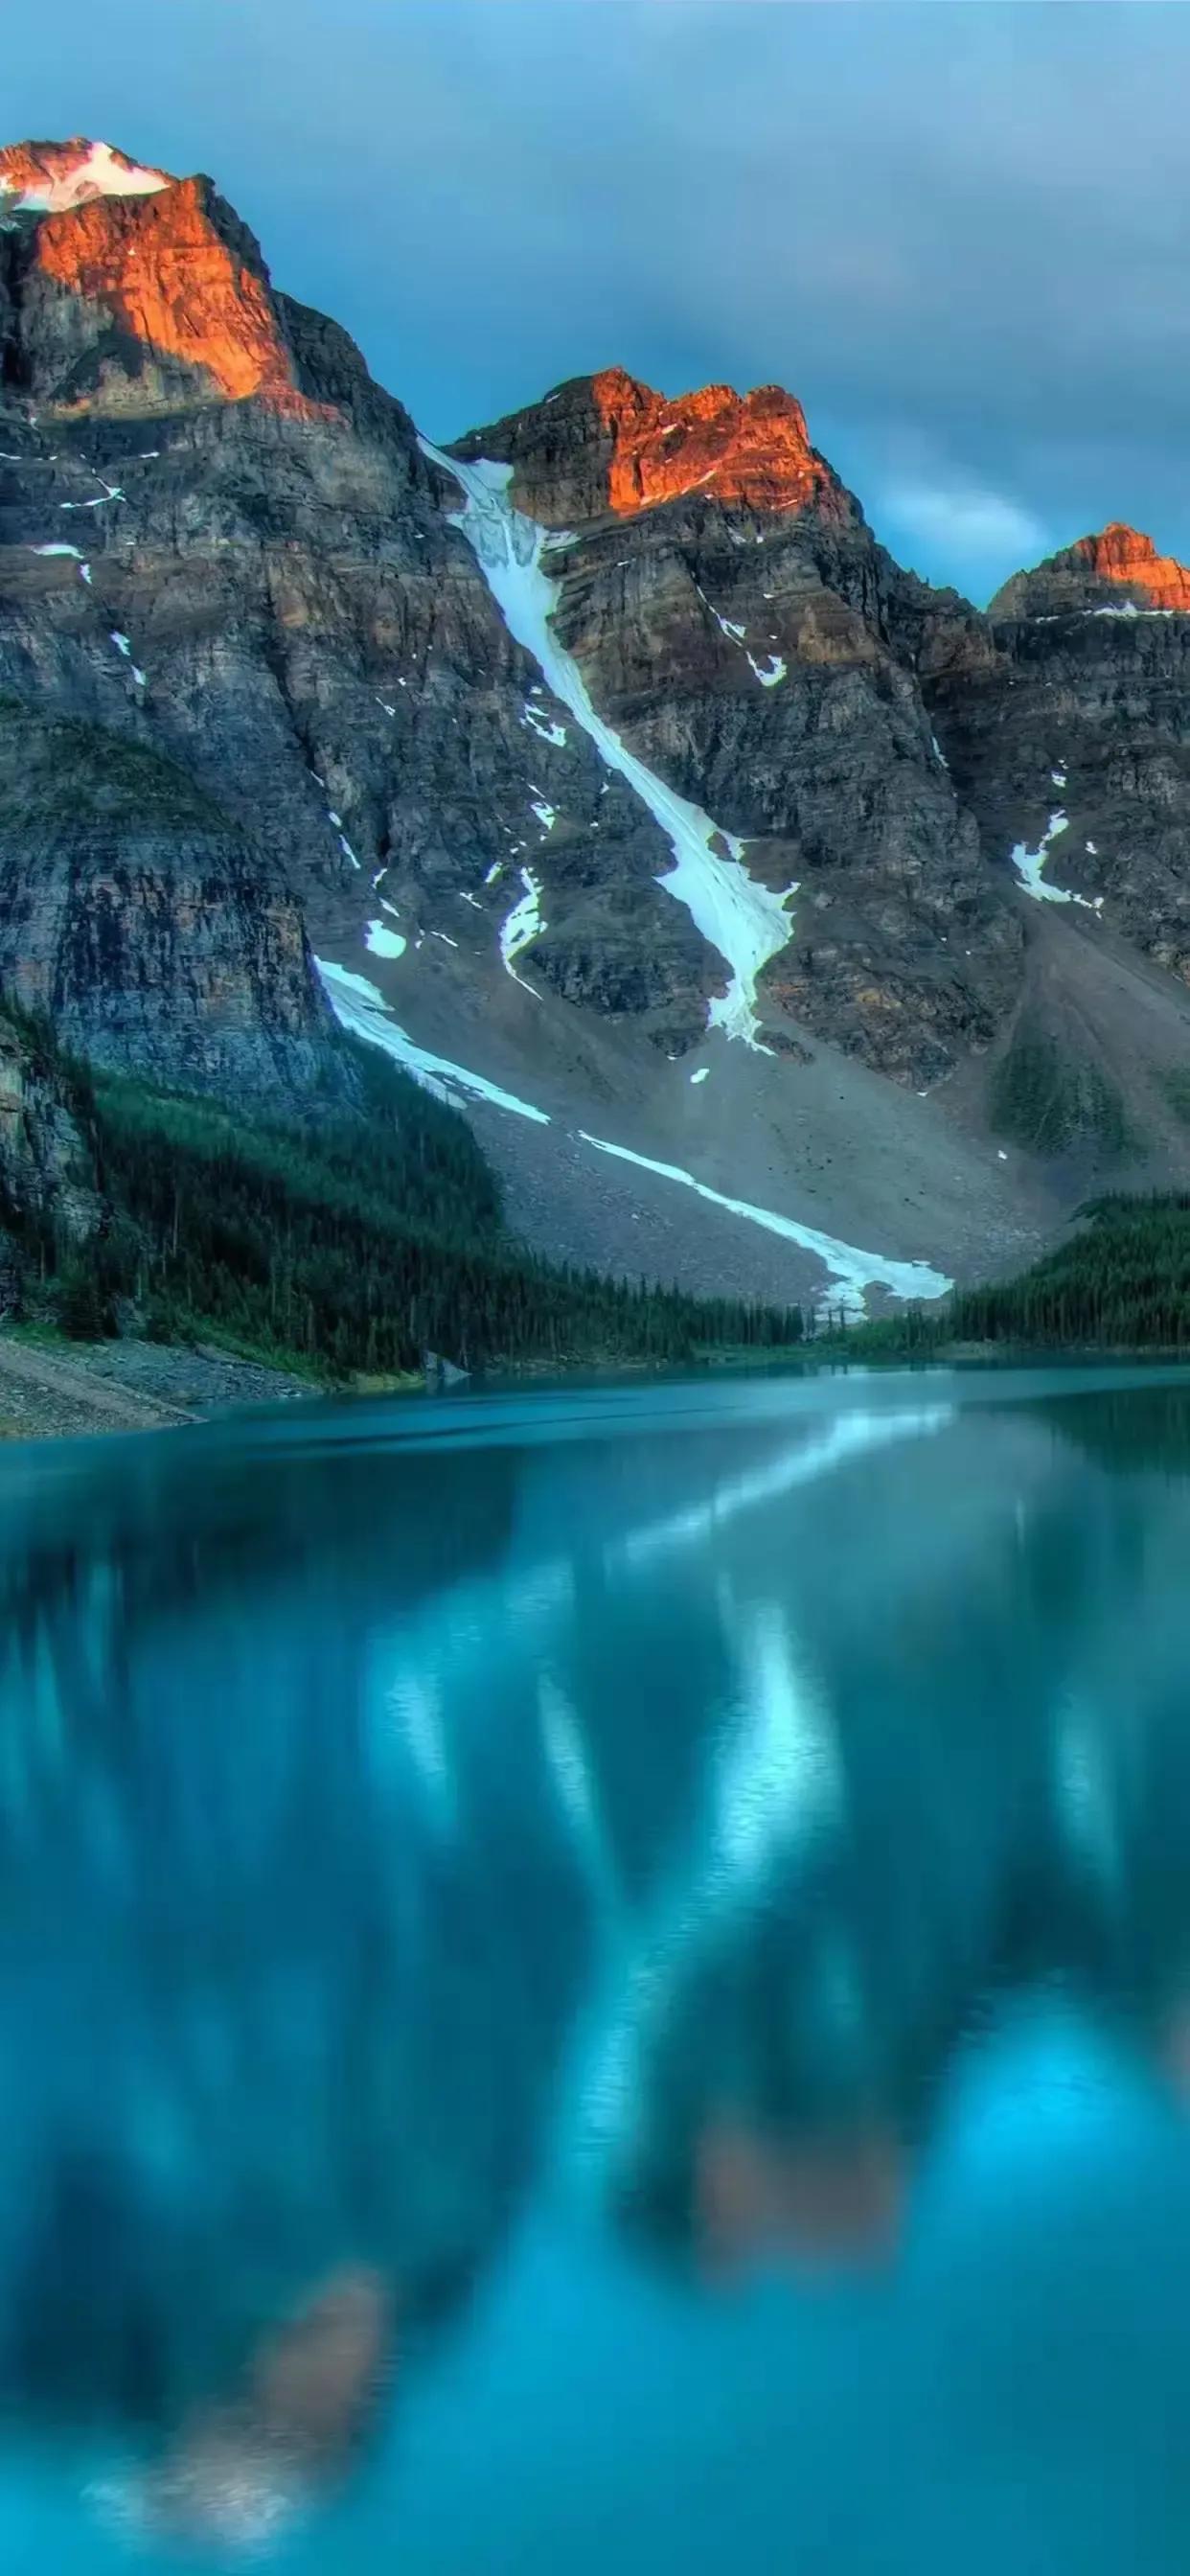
x: 478, y: 1876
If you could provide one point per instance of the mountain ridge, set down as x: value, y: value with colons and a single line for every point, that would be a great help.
x: 515, y: 848
x: 610, y: 442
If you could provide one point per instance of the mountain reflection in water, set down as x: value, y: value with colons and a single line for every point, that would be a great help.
x: 621, y: 1950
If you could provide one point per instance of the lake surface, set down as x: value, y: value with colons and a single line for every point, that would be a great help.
x: 601, y: 1979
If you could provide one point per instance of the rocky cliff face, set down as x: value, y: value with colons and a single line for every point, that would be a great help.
x: 135, y: 917
x: 204, y: 468
x: 127, y: 302
x: 740, y: 631
x: 47, y: 1167
x: 1070, y: 741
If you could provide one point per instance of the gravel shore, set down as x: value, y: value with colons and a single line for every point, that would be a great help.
x: 66, y: 1392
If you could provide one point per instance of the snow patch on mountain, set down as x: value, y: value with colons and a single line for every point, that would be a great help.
x: 97, y: 172
x: 362, y: 1008
x: 521, y: 925
x: 1128, y: 609
x: 383, y: 942
x: 746, y: 923
x: 544, y: 726
x: 726, y: 625
x: 1029, y: 865
x: 849, y: 1270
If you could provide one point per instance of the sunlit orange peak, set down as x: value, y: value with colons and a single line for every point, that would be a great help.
x: 752, y: 449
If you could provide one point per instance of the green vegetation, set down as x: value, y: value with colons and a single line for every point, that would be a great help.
x: 347, y: 1246
x: 1048, y: 1101
x: 1121, y: 1283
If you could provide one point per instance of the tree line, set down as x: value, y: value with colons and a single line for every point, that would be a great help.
x: 349, y: 1243
x: 1122, y: 1282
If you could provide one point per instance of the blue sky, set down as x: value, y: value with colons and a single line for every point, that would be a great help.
x: 960, y: 232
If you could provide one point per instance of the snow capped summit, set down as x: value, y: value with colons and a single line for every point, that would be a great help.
x: 49, y: 178
x: 153, y: 264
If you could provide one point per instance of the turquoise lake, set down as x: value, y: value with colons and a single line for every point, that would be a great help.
x: 599, y: 1979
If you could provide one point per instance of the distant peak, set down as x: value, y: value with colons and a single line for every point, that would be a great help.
x: 1121, y: 553
x: 50, y: 178
x: 1117, y: 559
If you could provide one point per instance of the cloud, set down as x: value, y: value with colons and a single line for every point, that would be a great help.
x: 965, y: 523
x: 957, y: 233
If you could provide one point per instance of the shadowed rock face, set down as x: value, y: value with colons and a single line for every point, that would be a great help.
x: 136, y: 916
x: 46, y: 1164
x: 316, y: 648
x: 1077, y: 708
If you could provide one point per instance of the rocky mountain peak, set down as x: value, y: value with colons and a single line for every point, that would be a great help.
x: 609, y: 444
x: 1122, y: 555
x: 158, y: 294
x: 45, y: 178
x: 1118, y: 572
x: 749, y: 450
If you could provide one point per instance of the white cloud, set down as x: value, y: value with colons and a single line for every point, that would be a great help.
x: 966, y: 519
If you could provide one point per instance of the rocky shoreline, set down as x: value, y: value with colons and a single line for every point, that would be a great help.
x: 69, y: 1391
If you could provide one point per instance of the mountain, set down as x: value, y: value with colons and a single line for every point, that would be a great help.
x: 780, y: 924
x: 1075, y: 738
x: 1118, y: 573
x: 770, y: 690
x: 44, y: 178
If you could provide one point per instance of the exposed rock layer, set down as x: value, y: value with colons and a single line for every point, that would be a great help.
x: 137, y: 918
x: 46, y: 1165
